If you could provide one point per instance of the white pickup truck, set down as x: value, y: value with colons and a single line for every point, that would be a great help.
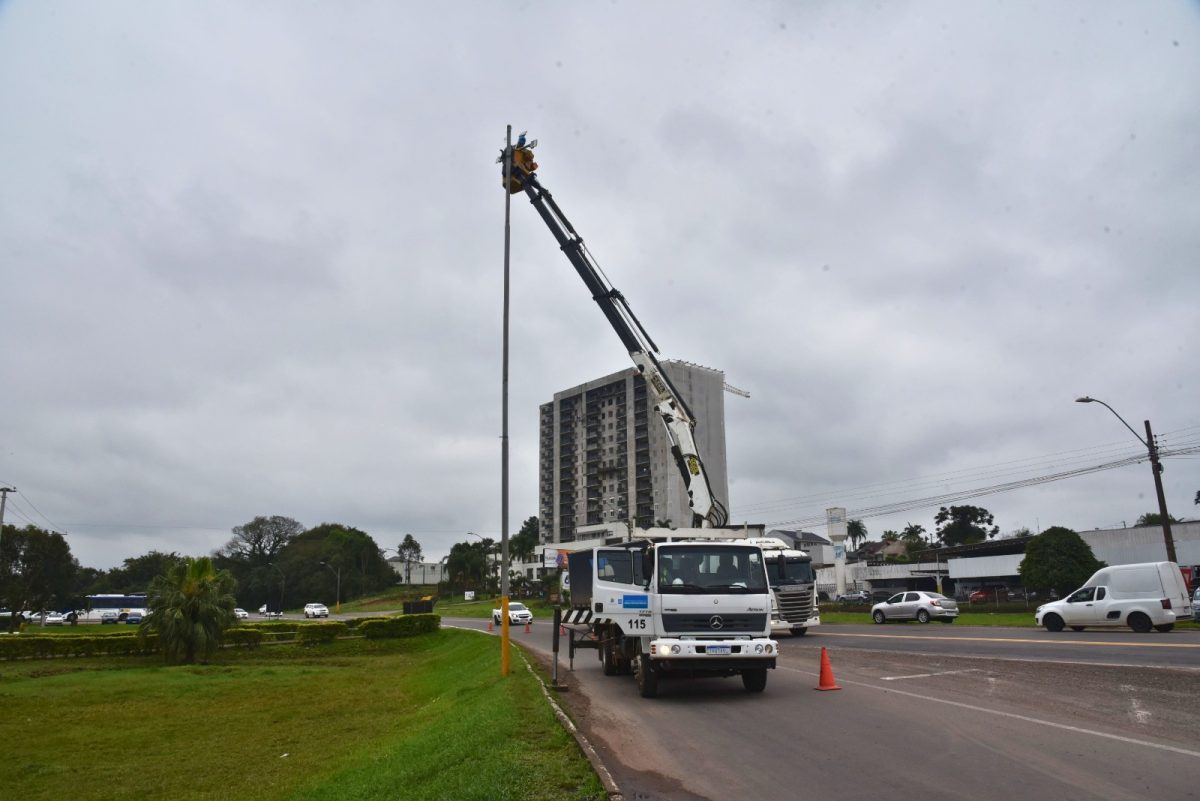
x: 518, y: 614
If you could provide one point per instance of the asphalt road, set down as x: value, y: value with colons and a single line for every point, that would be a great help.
x: 929, y: 712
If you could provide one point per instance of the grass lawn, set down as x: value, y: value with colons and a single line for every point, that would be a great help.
x: 423, y: 718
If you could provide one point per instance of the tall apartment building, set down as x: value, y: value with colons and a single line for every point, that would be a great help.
x: 605, y: 456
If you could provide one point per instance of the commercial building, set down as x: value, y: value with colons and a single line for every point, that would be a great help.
x: 995, y: 563
x: 605, y: 456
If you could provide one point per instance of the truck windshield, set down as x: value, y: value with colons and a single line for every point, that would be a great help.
x: 784, y: 570
x: 711, y: 569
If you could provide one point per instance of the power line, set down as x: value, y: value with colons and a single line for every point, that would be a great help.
x: 952, y: 497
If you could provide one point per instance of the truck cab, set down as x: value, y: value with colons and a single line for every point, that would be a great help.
x: 793, y: 587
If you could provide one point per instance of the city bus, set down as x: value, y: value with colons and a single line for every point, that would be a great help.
x: 123, y: 605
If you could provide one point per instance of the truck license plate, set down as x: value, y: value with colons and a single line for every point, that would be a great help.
x: 716, y: 649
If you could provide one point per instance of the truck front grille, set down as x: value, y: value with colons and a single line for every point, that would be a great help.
x: 796, y: 607
x: 675, y: 625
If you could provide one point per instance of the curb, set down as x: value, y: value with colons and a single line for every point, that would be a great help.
x: 610, y: 785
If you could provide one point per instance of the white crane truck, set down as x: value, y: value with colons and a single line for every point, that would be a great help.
x: 665, y: 602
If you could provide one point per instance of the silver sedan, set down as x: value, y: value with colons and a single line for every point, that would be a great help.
x: 916, y: 605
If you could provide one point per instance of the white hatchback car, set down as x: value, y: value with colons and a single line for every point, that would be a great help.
x: 240, y: 614
x: 316, y: 610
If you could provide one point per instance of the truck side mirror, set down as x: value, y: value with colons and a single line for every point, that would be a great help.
x: 647, y: 566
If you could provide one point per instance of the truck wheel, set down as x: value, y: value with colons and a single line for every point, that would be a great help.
x: 647, y: 677
x: 607, y: 661
x: 799, y: 631
x: 1165, y: 627
x: 1139, y: 623
x: 1052, y: 622
x: 754, y: 680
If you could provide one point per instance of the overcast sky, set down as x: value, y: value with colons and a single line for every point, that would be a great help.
x: 251, y: 254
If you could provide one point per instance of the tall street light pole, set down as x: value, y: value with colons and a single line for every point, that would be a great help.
x: 508, y: 159
x: 337, y: 592
x: 1155, y: 465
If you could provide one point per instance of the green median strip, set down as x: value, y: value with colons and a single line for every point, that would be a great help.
x: 425, y: 717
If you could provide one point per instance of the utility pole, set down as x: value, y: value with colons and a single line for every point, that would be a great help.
x: 1157, y: 467
x: 4, y: 502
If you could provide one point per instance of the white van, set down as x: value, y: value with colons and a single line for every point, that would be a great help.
x: 1141, y: 596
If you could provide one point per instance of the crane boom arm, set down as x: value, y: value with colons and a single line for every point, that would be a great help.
x: 707, y: 511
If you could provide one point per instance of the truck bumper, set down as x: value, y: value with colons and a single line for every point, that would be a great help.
x: 719, y: 656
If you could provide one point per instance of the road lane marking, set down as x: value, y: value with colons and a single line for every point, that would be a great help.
x: 1011, y: 715
x: 928, y: 675
x: 1016, y: 639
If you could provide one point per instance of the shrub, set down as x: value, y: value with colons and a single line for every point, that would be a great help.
x: 243, y: 636
x: 317, y: 633
x: 274, y: 626
x: 381, y: 628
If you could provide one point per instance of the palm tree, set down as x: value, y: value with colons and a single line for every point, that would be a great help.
x: 190, y: 607
x: 857, y: 532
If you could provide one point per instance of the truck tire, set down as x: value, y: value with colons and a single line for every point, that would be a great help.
x: 647, y: 677
x: 608, y: 660
x: 754, y: 680
x: 799, y: 631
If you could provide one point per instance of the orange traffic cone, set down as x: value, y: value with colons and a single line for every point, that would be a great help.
x: 489, y: 625
x: 526, y: 628
x: 827, y: 682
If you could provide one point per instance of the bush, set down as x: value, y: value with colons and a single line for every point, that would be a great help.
x: 34, y: 646
x: 317, y: 633
x: 382, y: 628
x: 243, y: 636
x: 274, y: 625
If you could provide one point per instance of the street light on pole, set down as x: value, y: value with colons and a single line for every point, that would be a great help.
x: 338, y: 592
x: 282, y: 584
x: 1155, y: 466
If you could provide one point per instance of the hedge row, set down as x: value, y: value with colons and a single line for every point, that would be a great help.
x: 317, y: 633
x: 243, y: 637
x: 43, y: 647
x: 381, y: 628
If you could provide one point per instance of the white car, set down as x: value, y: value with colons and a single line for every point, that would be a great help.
x: 518, y: 614
x: 1196, y: 605
x: 316, y: 610
x: 53, y: 619
x: 240, y: 614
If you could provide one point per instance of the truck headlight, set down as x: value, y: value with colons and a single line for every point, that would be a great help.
x: 674, y: 649
x: 758, y: 649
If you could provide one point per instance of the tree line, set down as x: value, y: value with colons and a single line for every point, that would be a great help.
x: 271, y: 560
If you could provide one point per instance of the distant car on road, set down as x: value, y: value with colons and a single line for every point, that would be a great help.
x: 133, y: 618
x: 267, y: 612
x: 240, y: 613
x: 920, y: 606
x: 518, y: 614
x: 855, y: 597
x: 108, y: 617
x: 53, y: 619
x: 1196, y: 605
x: 316, y: 610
